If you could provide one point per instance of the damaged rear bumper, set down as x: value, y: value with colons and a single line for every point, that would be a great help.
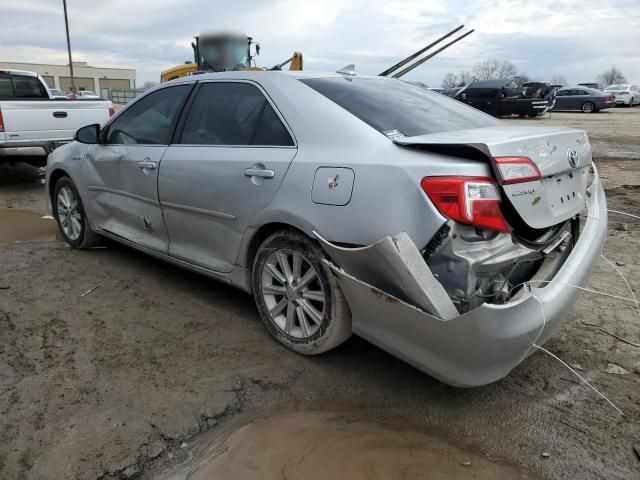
x: 480, y: 346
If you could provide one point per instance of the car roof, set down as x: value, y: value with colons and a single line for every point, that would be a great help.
x: 499, y: 83
x: 580, y: 87
x: 273, y: 75
x: 18, y: 72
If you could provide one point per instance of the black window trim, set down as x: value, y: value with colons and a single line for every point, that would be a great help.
x: 177, y: 135
x: 104, y: 131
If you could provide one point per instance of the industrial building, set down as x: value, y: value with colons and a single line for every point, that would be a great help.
x: 103, y: 81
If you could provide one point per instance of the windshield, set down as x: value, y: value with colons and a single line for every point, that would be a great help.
x: 618, y: 87
x: 389, y: 105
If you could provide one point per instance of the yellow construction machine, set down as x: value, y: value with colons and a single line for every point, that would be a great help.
x: 220, y: 52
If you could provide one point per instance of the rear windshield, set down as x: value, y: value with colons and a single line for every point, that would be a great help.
x: 389, y: 105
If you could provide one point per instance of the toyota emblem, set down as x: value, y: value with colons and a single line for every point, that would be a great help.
x: 574, y: 158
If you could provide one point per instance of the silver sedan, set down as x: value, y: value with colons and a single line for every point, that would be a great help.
x: 348, y: 204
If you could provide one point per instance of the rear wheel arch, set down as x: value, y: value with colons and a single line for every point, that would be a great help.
x: 261, y: 234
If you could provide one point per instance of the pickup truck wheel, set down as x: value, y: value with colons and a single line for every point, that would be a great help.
x: 71, y: 217
x: 298, y: 297
x: 588, y: 107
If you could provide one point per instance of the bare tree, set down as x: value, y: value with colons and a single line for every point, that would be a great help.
x: 521, y: 78
x: 464, y: 78
x: 149, y: 84
x: 611, y: 76
x: 494, y: 69
x: 559, y: 79
x: 452, y: 80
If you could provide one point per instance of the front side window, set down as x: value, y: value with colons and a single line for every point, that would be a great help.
x: 233, y: 113
x: 149, y: 120
x: 388, y: 105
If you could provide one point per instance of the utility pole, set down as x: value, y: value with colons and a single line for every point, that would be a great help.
x: 66, y: 25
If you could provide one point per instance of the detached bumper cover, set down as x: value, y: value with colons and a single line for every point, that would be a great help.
x: 485, y: 344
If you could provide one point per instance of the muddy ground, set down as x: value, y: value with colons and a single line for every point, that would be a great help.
x: 159, y: 372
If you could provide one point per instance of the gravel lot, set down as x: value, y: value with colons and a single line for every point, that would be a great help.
x: 159, y: 371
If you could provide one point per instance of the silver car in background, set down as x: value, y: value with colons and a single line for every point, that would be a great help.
x: 348, y: 204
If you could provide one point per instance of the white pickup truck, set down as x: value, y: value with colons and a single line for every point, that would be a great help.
x: 33, y: 123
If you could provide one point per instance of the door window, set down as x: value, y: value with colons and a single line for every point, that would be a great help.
x: 149, y: 121
x: 28, y: 87
x: 233, y: 114
x: 21, y: 86
x: 6, y: 88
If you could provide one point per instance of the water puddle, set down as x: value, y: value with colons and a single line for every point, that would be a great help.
x: 25, y: 226
x: 308, y: 446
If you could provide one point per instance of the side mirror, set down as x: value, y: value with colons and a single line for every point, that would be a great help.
x: 89, y: 134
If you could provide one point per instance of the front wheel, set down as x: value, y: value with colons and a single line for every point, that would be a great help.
x: 588, y: 107
x: 297, y: 296
x: 71, y: 216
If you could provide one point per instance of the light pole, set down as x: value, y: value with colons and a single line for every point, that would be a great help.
x: 66, y: 25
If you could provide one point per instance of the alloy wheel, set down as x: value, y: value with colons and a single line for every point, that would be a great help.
x: 69, y: 213
x: 293, y: 294
x: 588, y: 107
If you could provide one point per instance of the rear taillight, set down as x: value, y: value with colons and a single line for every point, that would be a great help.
x: 470, y: 200
x: 516, y: 170
x: 112, y: 111
x: 1, y: 122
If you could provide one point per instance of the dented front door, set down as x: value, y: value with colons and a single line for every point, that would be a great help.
x: 123, y: 193
x: 126, y: 195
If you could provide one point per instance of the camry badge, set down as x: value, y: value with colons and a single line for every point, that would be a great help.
x: 573, y: 157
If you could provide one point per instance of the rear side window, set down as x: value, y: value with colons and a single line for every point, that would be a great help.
x: 388, y: 105
x: 233, y: 113
x: 21, y: 86
x: 149, y: 121
x: 28, y: 87
x: 6, y: 87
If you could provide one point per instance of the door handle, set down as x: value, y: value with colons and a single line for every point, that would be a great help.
x: 147, y: 165
x: 259, y: 172
x: 60, y: 114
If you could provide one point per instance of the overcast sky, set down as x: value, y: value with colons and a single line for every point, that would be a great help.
x: 577, y: 38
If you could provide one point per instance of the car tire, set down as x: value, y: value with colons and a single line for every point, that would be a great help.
x: 70, y: 214
x: 588, y: 107
x: 315, y: 317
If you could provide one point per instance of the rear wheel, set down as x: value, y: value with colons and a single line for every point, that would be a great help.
x: 588, y: 107
x: 71, y: 216
x: 297, y: 296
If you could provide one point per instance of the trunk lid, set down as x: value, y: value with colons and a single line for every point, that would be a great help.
x: 562, y: 155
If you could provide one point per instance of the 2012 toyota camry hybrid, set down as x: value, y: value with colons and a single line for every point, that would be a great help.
x: 348, y: 204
